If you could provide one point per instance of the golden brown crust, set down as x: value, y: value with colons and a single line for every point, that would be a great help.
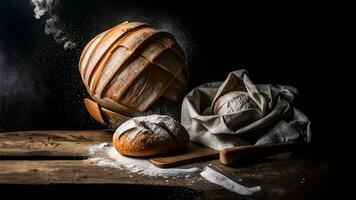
x: 128, y: 67
x: 149, y: 136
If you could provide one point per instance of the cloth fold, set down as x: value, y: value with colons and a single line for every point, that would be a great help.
x: 274, y: 119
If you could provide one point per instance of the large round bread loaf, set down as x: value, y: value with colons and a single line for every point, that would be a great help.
x: 150, y: 135
x: 128, y: 67
x: 234, y: 102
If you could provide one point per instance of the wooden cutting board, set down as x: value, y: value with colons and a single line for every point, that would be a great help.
x: 193, y: 153
x: 229, y: 156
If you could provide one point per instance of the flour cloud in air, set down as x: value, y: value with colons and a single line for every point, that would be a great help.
x: 43, y: 7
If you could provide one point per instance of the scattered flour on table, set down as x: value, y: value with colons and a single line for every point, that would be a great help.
x: 105, y: 155
x: 219, y: 179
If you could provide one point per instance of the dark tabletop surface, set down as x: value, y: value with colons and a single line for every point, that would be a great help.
x: 43, y: 163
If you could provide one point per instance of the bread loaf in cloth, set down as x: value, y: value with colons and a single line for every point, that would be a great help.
x: 237, y: 112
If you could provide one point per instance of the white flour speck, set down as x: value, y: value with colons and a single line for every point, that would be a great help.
x: 303, y: 180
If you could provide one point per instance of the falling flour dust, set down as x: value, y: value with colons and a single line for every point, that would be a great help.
x: 52, y: 22
x: 105, y: 155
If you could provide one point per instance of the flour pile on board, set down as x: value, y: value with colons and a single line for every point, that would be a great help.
x: 106, y: 155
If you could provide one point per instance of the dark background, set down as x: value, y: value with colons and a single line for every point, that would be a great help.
x: 309, y: 45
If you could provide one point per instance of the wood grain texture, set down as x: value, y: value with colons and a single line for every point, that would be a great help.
x: 193, y: 153
x: 282, y: 176
x: 231, y: 156
x: 50, y: 143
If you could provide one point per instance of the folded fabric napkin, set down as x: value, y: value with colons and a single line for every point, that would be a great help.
x: 269, y: 118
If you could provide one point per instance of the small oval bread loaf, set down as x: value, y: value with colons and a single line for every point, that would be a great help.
x: 150, y: 135
x: 234, y: 102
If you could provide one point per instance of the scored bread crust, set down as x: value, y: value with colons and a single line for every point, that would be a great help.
x: 149, y: 136
x: 130, y: 66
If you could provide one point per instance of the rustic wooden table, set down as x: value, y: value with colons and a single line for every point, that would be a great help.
x: 57, y: 162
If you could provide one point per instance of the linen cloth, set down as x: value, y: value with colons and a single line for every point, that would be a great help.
x: 275, y: 121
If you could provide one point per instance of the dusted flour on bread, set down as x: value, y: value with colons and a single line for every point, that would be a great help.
x: 234, y: 102
x: 160, y: 125
x: 150, y: 135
